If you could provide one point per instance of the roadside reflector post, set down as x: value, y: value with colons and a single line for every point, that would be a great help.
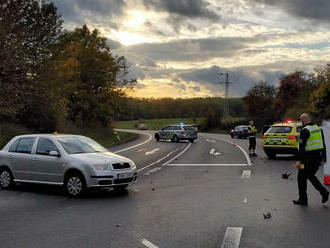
x: 326, y: 167
x: 118, y: 138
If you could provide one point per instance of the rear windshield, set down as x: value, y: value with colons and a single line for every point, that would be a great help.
x: 279, y: 129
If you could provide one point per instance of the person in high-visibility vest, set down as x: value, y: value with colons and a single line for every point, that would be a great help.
x: 312, y: 153
x: 252, y: 139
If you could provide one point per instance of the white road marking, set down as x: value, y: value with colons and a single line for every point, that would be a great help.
x: 232, y: 237
x: 211, y: 141
x: 141, y: 150
x: 244, y: 152
x: 148, y: 244
x: 206, y: 165
x: 245, y: 200
x: 188, y: 146
x: 154, y: 170
x: 140, y: 144
x: 212, y: 152
x: 151, y: 152
x: 246, y: 174
x: 158, y: 161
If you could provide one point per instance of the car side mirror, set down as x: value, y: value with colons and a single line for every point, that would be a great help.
x: 54, y: 154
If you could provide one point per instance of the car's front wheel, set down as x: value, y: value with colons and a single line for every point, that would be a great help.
x: 75, y: 184
x: 192, y: 140
x: 157, y: 137
x: 6, y: 178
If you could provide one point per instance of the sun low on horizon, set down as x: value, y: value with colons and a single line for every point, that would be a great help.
x: 178, y: 48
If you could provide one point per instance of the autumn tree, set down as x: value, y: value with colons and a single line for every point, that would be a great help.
x: 27, y: 30
x: 259, y: 103
x: 94, y: 79
x: 320, y: 97
x: 290, y: 87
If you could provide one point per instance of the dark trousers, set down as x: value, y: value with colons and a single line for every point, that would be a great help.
x: 309, y: 171
x: 252, y: 144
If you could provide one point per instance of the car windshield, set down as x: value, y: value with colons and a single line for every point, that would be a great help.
x: 279, y: 129
x: 189, y: 128
x: 75, y: 145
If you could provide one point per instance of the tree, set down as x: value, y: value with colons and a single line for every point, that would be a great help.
x: 27, y: 30
x: 290, y: 87
x: 259, y: 103
x: 94, y: 78
x: 320, y: 97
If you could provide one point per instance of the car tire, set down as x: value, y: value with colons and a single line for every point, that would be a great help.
x: 231, y: 135
x: 157, y: 137
x: 271, y: 155
x: 6, y: 178
x: 75, y: 184
x: 191, y: 140
x: 120, y: 187
x: 175, y: 139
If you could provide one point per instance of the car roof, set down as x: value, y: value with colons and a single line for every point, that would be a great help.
x: 50, y: 135
x: 287, y: 124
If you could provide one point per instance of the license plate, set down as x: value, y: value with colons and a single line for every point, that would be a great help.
x: 124, y: 175
x: 277, y: 140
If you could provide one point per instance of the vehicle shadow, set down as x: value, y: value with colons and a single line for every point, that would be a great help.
x: 57, y: 191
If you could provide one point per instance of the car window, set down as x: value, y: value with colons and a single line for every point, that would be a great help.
x: 279, y: 129
x: 75, y: 145
x: 299, y: 129
x: 45, y: 146
x: 25, y: 145
x: 177, y: 128
x: 189, y: 128
x: 13, y: 147
x: 166, y: 128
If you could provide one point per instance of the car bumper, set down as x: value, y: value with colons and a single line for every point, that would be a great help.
x: 281, y: 150
x: 111, y: 180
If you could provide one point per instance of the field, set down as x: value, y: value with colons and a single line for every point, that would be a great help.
x: 156, y: 124
x: 104, y: 136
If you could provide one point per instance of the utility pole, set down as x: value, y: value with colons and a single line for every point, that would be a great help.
x: 225, y: 104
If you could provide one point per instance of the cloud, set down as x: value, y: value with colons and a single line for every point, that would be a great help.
x: 309, y: 9
x: 190, y: 49
x: 184, y: 8
x: 78, y: 11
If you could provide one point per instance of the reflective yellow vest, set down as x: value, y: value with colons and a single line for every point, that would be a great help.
x: 315, y: 141
x: 253, y: 131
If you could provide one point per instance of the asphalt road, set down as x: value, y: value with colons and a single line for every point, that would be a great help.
x: 202, y: 195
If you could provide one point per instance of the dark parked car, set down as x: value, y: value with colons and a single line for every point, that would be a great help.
x: 240, y: 132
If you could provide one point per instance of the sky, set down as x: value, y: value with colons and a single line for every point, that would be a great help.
x: 178, y: 48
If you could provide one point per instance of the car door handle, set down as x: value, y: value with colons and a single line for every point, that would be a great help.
x: 34, y: 159
x: 10, y: 157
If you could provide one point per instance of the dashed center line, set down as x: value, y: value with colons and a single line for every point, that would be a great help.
x: 151, y: 152
x: 246, y: 174
x: 232, y: 237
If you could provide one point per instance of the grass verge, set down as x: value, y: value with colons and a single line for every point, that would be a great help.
x: 104, y: 136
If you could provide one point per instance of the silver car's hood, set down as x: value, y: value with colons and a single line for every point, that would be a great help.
x: 101, y: 158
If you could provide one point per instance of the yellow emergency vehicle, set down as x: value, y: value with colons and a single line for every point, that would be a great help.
x: 282, y: 138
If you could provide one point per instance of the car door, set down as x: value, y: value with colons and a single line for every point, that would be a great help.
x: 164, y: 133
x: 47, y: 168
x: 21, y: 156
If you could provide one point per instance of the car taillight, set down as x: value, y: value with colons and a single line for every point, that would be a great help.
x: 291, y: 137
x: 264, y: 137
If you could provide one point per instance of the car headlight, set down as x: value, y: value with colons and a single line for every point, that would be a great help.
x: 133, y: 166
x: 101, y: 166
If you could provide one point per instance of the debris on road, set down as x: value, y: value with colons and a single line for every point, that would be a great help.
x: 286, y: 175
x: 267, y: 216
x: 153, y: 189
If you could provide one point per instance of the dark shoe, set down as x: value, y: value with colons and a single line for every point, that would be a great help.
x: 255, y: 155
x: 325, y: 197
x: 300, y: 202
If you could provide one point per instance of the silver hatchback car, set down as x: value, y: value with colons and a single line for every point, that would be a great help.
x: 175, y: 133
x: 74, y: 161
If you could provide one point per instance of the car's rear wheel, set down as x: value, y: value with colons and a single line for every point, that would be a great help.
x: 175, y: 139
x: 192, y: 140
x: 271, y: 155
x: 157, y: 137
x: 6, y: 178
x: 75, y: 184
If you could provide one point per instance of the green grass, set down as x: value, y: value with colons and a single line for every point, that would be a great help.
x: 155, y: 124
x: 104, y: 136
